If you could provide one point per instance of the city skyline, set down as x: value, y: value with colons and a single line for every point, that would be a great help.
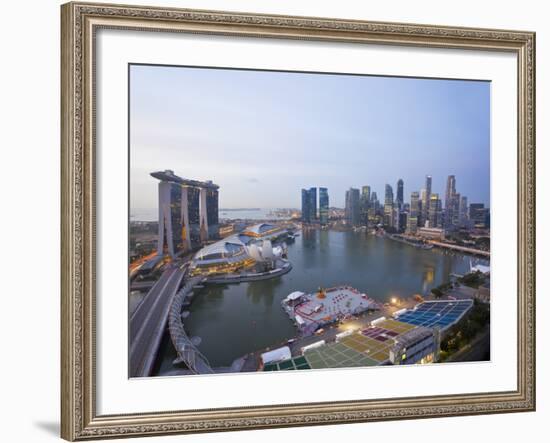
x: 274, y: 132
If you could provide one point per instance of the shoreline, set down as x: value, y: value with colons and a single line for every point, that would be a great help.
x: 250, y: 277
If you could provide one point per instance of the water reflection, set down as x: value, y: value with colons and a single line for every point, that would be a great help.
x: 233, y: 320
x: 428, y: 277
x: 263, y: 293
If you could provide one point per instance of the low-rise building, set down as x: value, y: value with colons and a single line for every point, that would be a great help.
x: 418, y: 345
x: 431, y: 233
x: 239, y: 251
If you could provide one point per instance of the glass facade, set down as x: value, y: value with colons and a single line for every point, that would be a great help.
x: 313, y: 204
x: 480, y: 215
x: 352, y: 212
x: 365, y: 204
x: 451, y: 203
x: 399, y: 198
x: 426, y: 195
x: 212, y: 213
x: 193, y: 198
x: 305, y: 206
x: 309, y: 205
x: 180, y: 212
x: 463, y: 211
x: 434, y: 211
x: 175, y: 216
x: 323, y: 206
x: 389, y: 216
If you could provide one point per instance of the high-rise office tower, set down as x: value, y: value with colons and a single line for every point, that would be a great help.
x: 306, y: 212
x: 463, y: 211
x: 455, y: 211
x: 415, y: 203
x: 388, y: 195
x: 479, y: 215
x: 450, y: 190
x: 399, y: 197
x: 323, y: 206
x: 450, y: 201
x: 434, y: 211
x: 352, y: 211
x: 374, y: 207
x: 421, y: 218
x: 374, y: 200
x: 313, y: 204
x: 401, y: 220
x: 426, y: 200
x: 365, y: 204
x: 412, y: 218
x: 389, y: 215
x: 365, y: 193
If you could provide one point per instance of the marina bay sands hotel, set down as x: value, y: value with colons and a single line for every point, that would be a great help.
x: 188, y: 213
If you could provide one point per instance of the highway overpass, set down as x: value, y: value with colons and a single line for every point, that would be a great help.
x: 149, y: 321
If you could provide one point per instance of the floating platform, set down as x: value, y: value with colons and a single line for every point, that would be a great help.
x: 311, y: 311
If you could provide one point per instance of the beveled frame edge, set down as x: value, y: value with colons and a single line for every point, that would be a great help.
x: 78, y: 24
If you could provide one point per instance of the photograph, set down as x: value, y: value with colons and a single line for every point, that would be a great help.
x: 289, y: 220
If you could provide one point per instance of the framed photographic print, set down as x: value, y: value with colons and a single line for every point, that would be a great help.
x: 280, y: 221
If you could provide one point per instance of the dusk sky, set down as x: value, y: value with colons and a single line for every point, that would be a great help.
x: 263, y: 136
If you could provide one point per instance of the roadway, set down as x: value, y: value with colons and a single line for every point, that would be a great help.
x: 141, y: 285
x: 149, y: 320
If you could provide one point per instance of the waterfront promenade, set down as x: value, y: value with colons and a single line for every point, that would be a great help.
x: 461, y: 248
x: 283, y: 268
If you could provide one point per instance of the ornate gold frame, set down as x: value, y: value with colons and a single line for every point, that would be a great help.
x: 79, y: 420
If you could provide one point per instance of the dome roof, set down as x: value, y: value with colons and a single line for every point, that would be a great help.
x: 228, y: 247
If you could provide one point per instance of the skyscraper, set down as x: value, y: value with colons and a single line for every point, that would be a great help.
x: 479, y: 215
x: 309, y: 205
x: 388, y: 195
x: 188, y: 213
x: 463, y: 211
x: 170, y: 223
x: 415, y: 203
x: 374, y: 200
x: 434, y: 211
x: 313, y: 204
x: 352, y: 211
x: 306, y: 211
x: 399, y: 198
x: 426, y: 200
x: 323, y: 206
x: 389, y: 216
x: 212, y: 212
x: 193, y: 199
x: 455, y: 211
x: 374, y: 207
x: 450, y: 201
x: 365, y: 204
x: 412, y: 219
